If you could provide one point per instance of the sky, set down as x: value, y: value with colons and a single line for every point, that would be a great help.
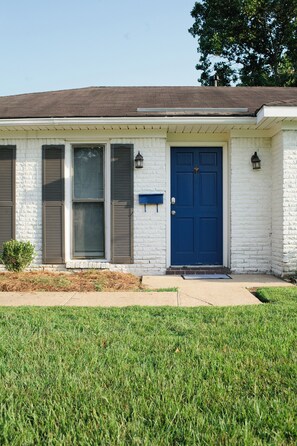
x: 61, y: 44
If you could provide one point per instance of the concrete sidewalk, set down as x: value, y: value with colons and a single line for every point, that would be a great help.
x: 191, y: 293
x: 216, y: 292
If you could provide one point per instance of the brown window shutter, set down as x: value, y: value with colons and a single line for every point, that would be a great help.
x: 7, y: 193
x: 53, y: 203
x: 122, y: 203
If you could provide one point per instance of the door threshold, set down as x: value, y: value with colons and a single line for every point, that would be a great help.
x: 203, y: 269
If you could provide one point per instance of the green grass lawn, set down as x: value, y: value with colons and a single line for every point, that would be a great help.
x: 150, y: 376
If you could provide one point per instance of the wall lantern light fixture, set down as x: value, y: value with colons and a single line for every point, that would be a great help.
x: 138, y: 161
x: 256, y: 162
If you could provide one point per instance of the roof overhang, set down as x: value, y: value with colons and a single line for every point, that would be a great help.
x: 285, y: 112
x: 162, y: 121
x: 268, y: 119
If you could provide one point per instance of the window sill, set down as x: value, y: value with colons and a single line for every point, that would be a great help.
x: 87, y: 263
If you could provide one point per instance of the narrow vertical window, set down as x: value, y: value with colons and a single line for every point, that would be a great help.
x: 88, y: 202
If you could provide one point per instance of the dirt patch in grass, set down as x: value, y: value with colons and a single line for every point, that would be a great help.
x: 81, y: 281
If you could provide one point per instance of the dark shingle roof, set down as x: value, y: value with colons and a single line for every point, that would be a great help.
x: 284, y: 103
x: 124, y: 101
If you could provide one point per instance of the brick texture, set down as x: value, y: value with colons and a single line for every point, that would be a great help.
x: 277, y: 204
x: 250, y: 206
x: 289, y: 202
x: 263, y: 204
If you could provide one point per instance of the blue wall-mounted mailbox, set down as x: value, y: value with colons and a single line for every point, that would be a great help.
x: 150, y: 199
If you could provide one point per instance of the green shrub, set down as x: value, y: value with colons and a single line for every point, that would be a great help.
x: 17, y: 255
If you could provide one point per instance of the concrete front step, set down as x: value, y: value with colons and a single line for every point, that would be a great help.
x: 181, y: 270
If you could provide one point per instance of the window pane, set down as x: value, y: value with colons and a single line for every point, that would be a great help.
x: 88, y: 229
x: 88, y: 172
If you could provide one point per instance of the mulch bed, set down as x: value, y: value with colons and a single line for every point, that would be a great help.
x: 80, y: 281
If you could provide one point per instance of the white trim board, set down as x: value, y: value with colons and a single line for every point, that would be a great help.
x: 164, y: 120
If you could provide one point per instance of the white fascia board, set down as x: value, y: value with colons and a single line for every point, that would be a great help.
x: 56, y: 122
x: 276, y: 112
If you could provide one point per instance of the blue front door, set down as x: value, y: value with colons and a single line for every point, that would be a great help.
x: 196, y: 206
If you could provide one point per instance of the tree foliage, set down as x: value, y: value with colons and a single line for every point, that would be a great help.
x: 250, y: 42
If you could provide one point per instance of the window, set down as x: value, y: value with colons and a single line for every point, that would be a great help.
x: 88, y: 201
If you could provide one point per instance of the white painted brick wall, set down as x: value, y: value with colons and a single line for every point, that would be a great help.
x: 149, y: 226
x: 289, y: 201
x: 277, y: 204
x: 250, y: 206
x: 262, y: 203
x: 29, y: 192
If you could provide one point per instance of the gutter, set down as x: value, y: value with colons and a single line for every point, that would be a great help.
x: 219, y: 120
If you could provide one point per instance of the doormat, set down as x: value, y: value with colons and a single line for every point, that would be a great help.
x: 205, y: 276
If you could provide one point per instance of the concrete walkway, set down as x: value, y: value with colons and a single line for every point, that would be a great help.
x: 212, y: 292
x: 191, y: 293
